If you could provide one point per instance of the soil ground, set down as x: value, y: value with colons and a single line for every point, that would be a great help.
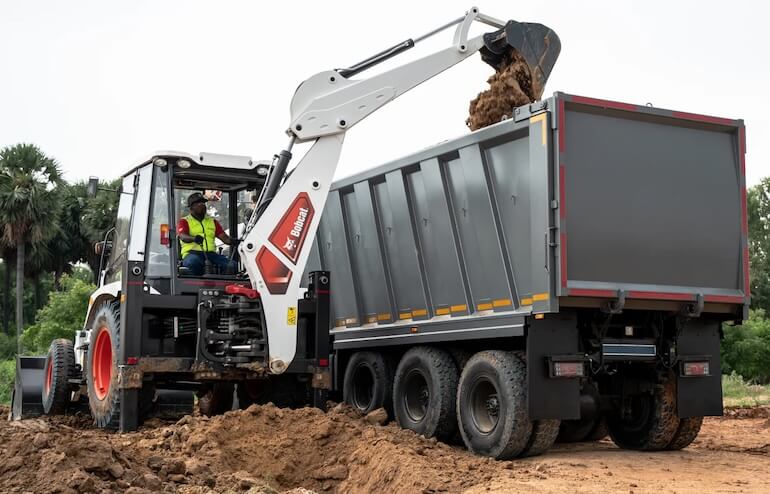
x: 265, y: 449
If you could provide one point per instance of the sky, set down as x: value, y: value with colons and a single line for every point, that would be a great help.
x: 101, y: 84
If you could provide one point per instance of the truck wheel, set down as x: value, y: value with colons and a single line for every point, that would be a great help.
x: 575, y: 431
x: 650, y: 420
x: 543, y: 436
x: 215, y: 398
x: 492, y: 405
x: 686, y: 433
x: 59, y: 367
x: 599, y: 431
x: 424, y: 392
x: 102, y: 368
x: 368, y: 382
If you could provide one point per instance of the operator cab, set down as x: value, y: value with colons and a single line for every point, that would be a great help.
x: 157, y: 193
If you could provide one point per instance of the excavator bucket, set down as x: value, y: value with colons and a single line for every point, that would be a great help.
x: 537, y: 44
x: 28, y: 388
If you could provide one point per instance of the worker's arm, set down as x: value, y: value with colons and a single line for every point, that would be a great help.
x: 221, y: 234
x: 183, y: 232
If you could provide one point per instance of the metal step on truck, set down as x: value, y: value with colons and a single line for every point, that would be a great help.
x: 565, y: 270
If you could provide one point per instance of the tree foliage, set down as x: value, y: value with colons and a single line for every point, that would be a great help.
x: 60, y: 317
x: 758, y: 201
x: 746, y: 348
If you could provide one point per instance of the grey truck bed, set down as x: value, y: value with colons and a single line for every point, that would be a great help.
x: 572, y: 202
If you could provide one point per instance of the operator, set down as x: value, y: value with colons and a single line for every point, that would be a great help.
x: 197, y: 232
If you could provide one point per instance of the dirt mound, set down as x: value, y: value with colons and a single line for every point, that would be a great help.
x: 508, y: 88
x: 261, y: 449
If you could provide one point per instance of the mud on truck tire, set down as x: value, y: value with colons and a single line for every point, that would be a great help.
x: 424, y: 392
x: 368, y: 382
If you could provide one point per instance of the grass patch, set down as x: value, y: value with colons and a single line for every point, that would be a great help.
x: 737, y: 392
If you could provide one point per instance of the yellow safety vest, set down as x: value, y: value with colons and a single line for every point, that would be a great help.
x: 206, y: 228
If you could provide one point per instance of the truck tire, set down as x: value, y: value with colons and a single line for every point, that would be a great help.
x: 544, y: 432
x: 599, y: 431
x: 652, y: 422
x: 368, y: 382
x: 575, y: 431
x: 686, y: 433
x: 492, y: 405
x: 424, y: 392
x: 215, y: 398
x: 102, y: 367
x: 59, y: 368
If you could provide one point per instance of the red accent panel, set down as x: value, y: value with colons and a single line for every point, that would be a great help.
x: 661, y: 296
x: 585, y: 292
x: 135, y: 283
x: 274, y: 272
x: 744, y: 214
x: 563, y: 242
x: 291, y: 231
x: 604, y: 103
x: 723, y: 298
x: 742, y: 140
x: 562, y: 191
x: 562, y: 126
x: 132, y: 360
x: 703, y: 118
x: 241, y: 290
x: 323, y: 292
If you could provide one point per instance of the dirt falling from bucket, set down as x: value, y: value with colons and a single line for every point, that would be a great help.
x: 508, y: 88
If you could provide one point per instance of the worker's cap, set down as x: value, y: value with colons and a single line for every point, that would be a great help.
x: 195, y: 198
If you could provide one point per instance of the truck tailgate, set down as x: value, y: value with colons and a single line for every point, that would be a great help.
x: 651, y: 203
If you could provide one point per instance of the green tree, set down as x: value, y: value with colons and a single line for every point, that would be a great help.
x: 758, y: 202
x: 746, y: 348
x: 60, y: 317
x: 28, y: 193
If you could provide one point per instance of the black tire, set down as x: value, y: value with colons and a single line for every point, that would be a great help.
x: 686, y: 433
x: 368, y: 382
x: 599, y: 432
x: 102, y: 368
x: 544, y: 431
x: 652, y: 421
x: 460, y: 356
x: 215, y: 398
x: 575, y: 431
x: 59, y: 368
x: 252, y: 392
x: 424, y: 392
x: 543, y: 436
x: 492, y: 405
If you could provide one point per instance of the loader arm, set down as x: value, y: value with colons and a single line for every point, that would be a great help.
x: 277, y: 242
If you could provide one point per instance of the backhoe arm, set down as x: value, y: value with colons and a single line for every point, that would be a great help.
x: 277, y: 244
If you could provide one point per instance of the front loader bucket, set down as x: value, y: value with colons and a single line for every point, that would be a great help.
x: 28, y: 388
x: 536, y: 43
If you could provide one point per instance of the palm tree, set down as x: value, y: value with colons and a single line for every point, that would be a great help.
x: 28, y: 193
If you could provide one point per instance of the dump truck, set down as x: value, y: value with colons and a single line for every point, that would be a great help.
x: 570, y: 266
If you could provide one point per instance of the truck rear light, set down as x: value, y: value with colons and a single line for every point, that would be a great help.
x: 567, y: 369
x: 695, y: 368
x: 164, y: 240
x: 323, y: 362
x: 132, y: 360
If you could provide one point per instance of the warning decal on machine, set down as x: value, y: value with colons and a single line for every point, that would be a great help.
x: 291, y: 316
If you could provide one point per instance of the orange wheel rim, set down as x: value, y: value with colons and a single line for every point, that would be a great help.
x: 48, y: 376
x: 101, y: 363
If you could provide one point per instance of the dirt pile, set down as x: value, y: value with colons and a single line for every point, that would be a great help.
x: 508, y: 88
x: 263, y: 449
x: 269, y: 450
